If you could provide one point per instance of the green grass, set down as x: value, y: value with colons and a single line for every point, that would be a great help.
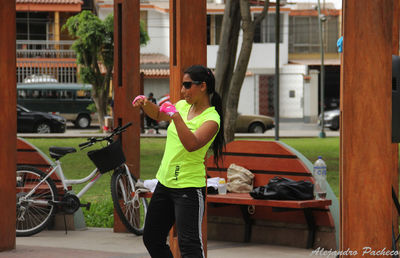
x: 328, y: 148
x: 78, y: 165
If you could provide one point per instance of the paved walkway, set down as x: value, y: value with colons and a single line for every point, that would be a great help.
x: 103, y: 243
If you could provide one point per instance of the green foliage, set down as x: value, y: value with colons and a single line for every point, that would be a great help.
x: 93, y: 44
x: 144, y: 37
x: 92, y: 108
x: 94, y: 48
x: 101, y: 214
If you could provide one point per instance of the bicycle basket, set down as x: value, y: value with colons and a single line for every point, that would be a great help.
x: 109, y: 157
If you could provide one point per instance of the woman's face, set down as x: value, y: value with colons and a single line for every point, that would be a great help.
x: 192, y: 91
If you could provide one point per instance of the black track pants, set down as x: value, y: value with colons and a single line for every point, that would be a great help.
x: 185, y: 207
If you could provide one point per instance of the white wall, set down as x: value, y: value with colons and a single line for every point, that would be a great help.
x: 247, y: 97
x: 103, y: 12
x: 292, y: 81
x: 262, y: 54
x: 158, y: 30
x: 158, y: 87
x: 311, y: 98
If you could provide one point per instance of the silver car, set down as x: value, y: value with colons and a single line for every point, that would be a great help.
x: 331, y: 119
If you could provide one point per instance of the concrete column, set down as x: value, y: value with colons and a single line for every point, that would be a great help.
x: 311, y: 98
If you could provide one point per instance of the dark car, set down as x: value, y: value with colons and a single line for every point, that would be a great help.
x: 331, y: 119
x: 39, y: 122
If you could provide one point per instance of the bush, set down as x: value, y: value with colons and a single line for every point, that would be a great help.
x: 100, y: 215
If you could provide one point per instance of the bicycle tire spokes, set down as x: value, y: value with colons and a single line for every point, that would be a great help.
x: 35, y: 211
x: 131, y: 216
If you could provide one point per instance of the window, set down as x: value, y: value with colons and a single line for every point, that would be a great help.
x: 32, y: 25
x: 83, y: 94
x: 304, y: 34
x: 214, y: 25
x: 265, y: 31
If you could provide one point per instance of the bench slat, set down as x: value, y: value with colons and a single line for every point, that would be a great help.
x: 246, y: 199
x: 262, y: 164
x: 267, y: 147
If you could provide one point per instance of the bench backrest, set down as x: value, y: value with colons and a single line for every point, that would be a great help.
x: 27, y: 154
x: 265, y: 159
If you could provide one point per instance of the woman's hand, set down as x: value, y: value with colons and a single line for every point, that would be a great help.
x: 168, y: 108
x: 139, y: 101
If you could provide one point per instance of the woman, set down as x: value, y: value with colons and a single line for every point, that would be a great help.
x: 196, y: 123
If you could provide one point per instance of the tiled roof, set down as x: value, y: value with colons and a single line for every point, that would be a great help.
x: 49, y: 2
x: 155, y: 73
x: 153, y: 59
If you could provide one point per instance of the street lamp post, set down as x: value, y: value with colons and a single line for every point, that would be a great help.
x: 276, y: 83
x: 321, y: 18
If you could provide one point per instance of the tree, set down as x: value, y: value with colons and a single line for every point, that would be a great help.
x: 94, y: 47
x: 230, y: 72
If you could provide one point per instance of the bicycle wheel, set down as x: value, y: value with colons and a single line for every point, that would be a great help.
x: 34, y: 212
x: 132, y: 214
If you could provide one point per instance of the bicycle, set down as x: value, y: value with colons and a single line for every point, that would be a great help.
x: 38, y: 198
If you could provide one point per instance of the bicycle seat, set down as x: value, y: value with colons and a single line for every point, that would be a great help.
x: 58, y: 152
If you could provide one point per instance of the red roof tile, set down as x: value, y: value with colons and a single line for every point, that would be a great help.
x: 153, y: 59
x: 155, y: 73
x: 49, y: 2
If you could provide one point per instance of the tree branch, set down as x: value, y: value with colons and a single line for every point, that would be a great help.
x: 263, y: 13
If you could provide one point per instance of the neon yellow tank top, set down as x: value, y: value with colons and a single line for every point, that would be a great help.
x: 180, y: 168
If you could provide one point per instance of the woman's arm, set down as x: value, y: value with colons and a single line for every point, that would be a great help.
x: 151, y: 109
x: 194, y: 141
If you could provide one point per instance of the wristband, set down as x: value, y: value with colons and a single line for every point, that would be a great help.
x: 168, y: 108
x: 138, y: 97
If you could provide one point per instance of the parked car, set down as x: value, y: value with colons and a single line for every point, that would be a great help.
x: 331, y: 119
x: 253, y: 123
x: 39, y: 122
x: 40, y: 78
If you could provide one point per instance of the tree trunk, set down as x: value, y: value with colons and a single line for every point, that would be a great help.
x: 227, y: 48
x: 229, y: 83
x: 236, y: 83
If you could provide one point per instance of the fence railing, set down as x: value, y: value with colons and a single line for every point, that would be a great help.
x: 45, y: 49
x: 46, y: 71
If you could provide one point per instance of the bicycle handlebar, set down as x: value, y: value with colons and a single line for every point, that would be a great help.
x: 93, y: 140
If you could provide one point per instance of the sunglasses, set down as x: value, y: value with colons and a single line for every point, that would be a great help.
x: 188, y: 85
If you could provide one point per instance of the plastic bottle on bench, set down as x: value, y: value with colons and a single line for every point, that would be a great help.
x: 319, y: 173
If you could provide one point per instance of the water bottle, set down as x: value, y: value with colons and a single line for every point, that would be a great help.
x: 319, y: 173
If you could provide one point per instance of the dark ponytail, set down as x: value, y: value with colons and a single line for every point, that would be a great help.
x: 204, y: 74
x: 219, y: 141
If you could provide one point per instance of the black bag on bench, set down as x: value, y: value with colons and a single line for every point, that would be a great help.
x: 280, y: 188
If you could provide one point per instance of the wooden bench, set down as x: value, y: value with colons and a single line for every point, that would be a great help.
x: 29, y: 155
x: 265, y: 159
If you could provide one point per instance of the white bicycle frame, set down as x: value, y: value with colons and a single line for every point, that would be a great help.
x: 93, y: 176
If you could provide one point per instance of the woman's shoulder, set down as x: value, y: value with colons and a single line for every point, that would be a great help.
x: 212, y: 114
x: 181, y: 103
